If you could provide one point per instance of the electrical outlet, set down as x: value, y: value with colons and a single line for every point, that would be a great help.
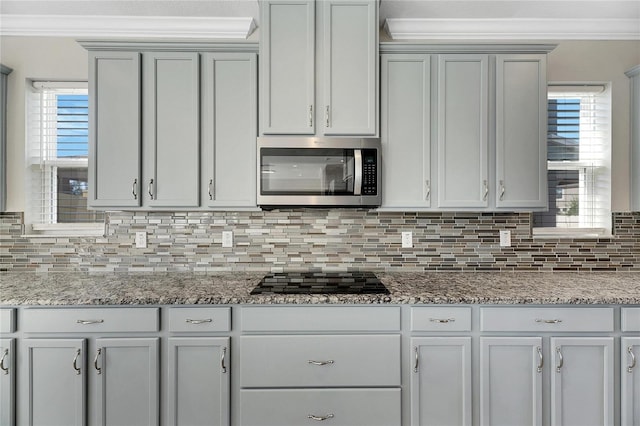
x: 141, y: 240
x: 505, y: 238
x: 407, y: 239
x: 227, y: 238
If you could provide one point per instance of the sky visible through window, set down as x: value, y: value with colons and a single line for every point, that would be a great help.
x: 72, y: 126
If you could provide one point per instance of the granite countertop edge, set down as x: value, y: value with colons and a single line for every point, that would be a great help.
x: 414, y: 288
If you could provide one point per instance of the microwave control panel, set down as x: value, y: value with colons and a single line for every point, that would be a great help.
x: 369, y: 172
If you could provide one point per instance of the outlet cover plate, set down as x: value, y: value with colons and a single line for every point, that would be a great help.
x: 141, y: 240
x: 227, y: 238
x: 407, y: 239
x: 505, y: 238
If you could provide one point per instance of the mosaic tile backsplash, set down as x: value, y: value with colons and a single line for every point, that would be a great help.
x: 335, y: 239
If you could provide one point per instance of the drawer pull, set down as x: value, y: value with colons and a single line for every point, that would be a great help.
x: 198, y: 321
x: 222, y: 359
x: 95, y: 361
x: 442, y: 320
x: 320, y: 418
x: 541, y: 363
x: 559, y: 367
x: 629, y: 368
x: 416, y: 354
x: 75, y: 362
x: 85, y: 322
x: 328, y: 362
x: 549, y: 321
x: 6, y: 369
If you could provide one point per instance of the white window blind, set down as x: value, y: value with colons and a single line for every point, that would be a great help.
x: 578, y: 161
x: 57, y: 149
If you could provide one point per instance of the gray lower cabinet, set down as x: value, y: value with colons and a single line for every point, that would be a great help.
x: 441, y: 387
x: 198, y: 381
x: 53, y: 380
x: 7, y: 381
x: 630, y: 372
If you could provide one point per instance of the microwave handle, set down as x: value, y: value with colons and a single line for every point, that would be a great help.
x: 357, y: 179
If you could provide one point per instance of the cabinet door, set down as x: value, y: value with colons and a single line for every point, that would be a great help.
x: 406, y: 127
x: 349, y: 77
x: 126, y: 374
x: 114, y: 130
x: 441, y: 381
x: 511, y: 381
x: 7, y: 381
x: 170, y: 131
x: 229, y: 129
x: 54, y: 379
x: 287, y: 65
x: 198, y: 381
x: 521, y: 131
x: 462, y: 131
x: 630, y: 371
x: 582, y: 381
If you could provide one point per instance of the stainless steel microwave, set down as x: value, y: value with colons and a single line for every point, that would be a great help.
x: 310, y: 171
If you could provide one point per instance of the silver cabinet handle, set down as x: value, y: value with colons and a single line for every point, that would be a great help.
x: 75, y: 362
x: 85, y: 322
x: 320, y: 418
x: 134, y: 188
x: 328, y: 362
x: 428, y: 188
x: 6, y: 369
x: 326, y: 116
x: 150, y: 188
x: 416, y: 360
x: 310, y: 115
x: 629, y: 368
x: 486, y: 190
x: 502, y: 190
x: 559, y: 367
x: 95, y: 361
x: 442, y: 320
x: 549, y: 321
x: 198, y: 321
x: 222, y: 359
x: 541, y: 360
x: 211, y: 189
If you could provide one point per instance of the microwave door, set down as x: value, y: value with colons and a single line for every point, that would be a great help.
x: 357, y: 178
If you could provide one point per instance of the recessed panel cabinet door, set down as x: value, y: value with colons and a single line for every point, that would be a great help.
x: 7, y: 381
x: 287, y: 65
x: 114, y: 129
x: 54, y: 378
x: 630, y: 371
x: 170, y: 133
x: 511, y: 381
x: 405, y: 131
x: 582, y: 381
x: 463, y: 103
x: 229, y: 97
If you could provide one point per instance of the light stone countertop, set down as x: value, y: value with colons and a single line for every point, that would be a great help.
x: 178, y: 288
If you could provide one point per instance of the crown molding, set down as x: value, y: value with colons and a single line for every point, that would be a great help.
x: 452, y: 48
x: 512, y: 29
x: 164, y: 27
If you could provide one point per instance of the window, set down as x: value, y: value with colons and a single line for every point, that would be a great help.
x: 578, y: 161
x: 57, y: 150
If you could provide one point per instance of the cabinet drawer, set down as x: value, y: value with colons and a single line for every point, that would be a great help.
x: 321, y: 318
x: 7, y: 320
x: 440, y: 319
x: 199, y: 319
x: 546, y: 319
x: 319, y: 361
x: 630, y: 319
x: 342, y: 407
x: 91, y: 320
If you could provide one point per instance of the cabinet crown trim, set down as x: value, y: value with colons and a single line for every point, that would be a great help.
x: 173, y: 46
x: 443, y: 48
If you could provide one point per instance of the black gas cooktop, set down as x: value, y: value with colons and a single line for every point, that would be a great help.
x: 320, y: 283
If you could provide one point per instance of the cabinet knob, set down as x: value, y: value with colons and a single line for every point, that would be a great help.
x: 561, y: 363
x: 629, y: 351
x: 486, y: 190
x: 95, y: 361
x: 310, y: 115
x: 150, y: 188
x: 502, y: 190
x: 327, y: 116
x: 134, y: 189
x: 5, y: 370
x: 416, y: 355
x: 427, y: 185
x: 75, y: 362
x: 541, y: 360
x: 211, y: 189
x: 223, y: 357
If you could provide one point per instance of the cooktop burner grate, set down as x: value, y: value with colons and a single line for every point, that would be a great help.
x: 320, y: 283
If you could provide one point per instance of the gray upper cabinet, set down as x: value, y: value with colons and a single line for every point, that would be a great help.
x: 287, y: 66
x: 338, y: 63
x: 229, y: 129
x: 170, y: 129
x: 114, y: 129
x: 521, y: 131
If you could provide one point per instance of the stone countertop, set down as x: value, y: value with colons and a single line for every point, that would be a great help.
x: 61, y: 288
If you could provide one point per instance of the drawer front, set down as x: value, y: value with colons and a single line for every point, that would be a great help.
x: 320, y: 318
x: 340, y: 407
x: 7, y: 320
x: 199, y: 319
x: 319, y: 361
x: 90, y: 320
x: 440, y: 319
x: 546, y: 319
x: 630, y: 319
